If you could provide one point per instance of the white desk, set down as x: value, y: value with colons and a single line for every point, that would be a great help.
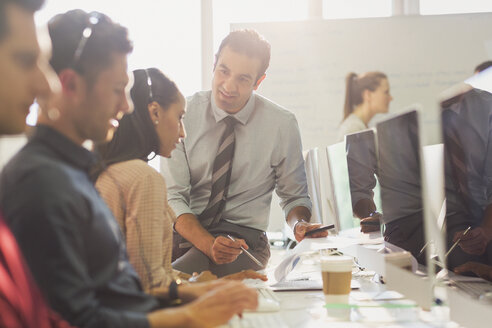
x: 306, y: 309
x: 468, y: 311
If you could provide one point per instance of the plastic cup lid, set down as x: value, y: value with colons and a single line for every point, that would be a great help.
x: 337, y: 263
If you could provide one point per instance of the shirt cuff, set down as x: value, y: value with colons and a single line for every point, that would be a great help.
x: 179, y: 208
x: 306, y: 202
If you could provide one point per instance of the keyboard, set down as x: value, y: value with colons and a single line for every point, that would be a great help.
x: 257, y: 320
x: 473, y: 288
x: 267, y: 300
x: 267, y: 292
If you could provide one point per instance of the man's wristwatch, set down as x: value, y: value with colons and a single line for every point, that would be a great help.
x: 295, y: 225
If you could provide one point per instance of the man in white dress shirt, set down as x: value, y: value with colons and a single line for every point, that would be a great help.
x: 266, y: 155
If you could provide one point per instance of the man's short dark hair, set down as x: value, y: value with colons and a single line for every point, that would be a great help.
x: 107, y: 38
x: 249, y: 43
x: 28, y: 5
x: 483, y: 66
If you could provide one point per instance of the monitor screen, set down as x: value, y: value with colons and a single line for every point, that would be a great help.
x: 399, y: 174
x: 466, y: 117
x: 340, y: 195
x: 362, y: 166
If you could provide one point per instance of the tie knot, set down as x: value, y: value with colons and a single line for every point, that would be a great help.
x: 230, y: 121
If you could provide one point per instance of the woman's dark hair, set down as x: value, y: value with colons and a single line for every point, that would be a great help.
x: 355, y: 86
x: 136, y: 137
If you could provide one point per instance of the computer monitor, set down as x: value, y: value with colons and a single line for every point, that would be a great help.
x: 403, y: 178
x: 362, y: 169
x: 339, y: 194
x: 400, y: 177
x: 311, y: 164
x: 466, y: 117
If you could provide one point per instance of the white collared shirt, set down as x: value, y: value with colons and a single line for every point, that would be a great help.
x: 268, y: 156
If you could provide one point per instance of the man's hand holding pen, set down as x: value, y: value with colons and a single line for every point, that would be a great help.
x: 475, y: 241
x: 225, y: 250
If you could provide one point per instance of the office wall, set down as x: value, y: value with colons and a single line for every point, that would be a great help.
x: 422, y: 55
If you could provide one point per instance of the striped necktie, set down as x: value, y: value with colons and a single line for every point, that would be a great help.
x: 456, y: 155
x: 221, y: 176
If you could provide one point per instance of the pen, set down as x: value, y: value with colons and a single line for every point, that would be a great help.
x: 246, y: 252
x: 323, y: 228
x: 457, y: 241
x: 424, y: 247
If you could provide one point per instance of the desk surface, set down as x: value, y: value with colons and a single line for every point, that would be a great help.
x: 306, y: 309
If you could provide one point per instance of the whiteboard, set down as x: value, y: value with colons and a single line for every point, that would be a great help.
x: 422, y: 56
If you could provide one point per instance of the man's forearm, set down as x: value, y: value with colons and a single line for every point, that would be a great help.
x: 364, y: 207
x: 296, y: 214
x: 175, y: 317
x: 190, y: 228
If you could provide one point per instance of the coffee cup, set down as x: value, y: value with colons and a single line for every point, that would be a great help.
x: 336, y: 272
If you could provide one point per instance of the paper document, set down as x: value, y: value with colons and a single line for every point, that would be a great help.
x: 286, y: 266
x: 310, y: 245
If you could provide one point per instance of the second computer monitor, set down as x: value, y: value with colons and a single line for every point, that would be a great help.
x: 362, y: 166
x: 399, y: 174
x: 466, y: 115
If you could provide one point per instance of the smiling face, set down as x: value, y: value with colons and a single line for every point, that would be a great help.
x: 235, y: 78
x: 105, y: 102
x: 21, y: 78
x: 380, y: 98
x: 169, y: 128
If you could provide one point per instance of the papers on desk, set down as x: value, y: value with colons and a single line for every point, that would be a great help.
x: 368, y: 252
x: 306, y: 246
x: 286, y: 266
x: 308, y: 277
x: 310, y: 245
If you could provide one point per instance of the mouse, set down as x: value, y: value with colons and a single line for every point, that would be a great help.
x: 486, y: 297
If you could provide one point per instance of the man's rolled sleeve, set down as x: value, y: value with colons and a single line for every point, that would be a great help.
x: 306, y: 202
x: 291, y: 184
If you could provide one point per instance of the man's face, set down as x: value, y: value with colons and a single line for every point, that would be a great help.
x: 234, y: 79
x: 21, y: 80
x: 105, y: 103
